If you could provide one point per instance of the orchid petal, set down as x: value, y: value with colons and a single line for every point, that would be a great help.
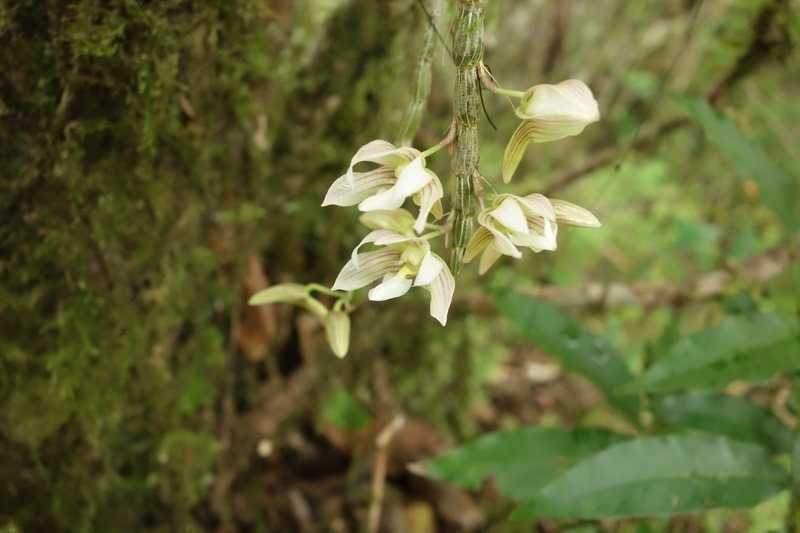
x: 391, y: 287
x: 569, y: 103
x: 382, y: 153
x: 429, y: 269
x: 537, y: 205
x: 413, y: 177
x: 501, y: 240
x: 441, y: 289
x: 372, y: 266
x: 383, y: 201
x: 380, y: 237
x: 541, y: 237
x: 510, y: 214
x: 479, y: 240
x: 489, y: 257
x: 570, y: 214
x: 346, y: 192
x: 429, y: 198
x: 516, y: 148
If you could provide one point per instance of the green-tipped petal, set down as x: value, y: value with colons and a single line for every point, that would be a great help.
x: 516, y: 148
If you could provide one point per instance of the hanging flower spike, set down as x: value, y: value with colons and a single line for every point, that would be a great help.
x: 402, y: 262
x: 511, y: 221
x: 549, y: 113
x: 402, y: 174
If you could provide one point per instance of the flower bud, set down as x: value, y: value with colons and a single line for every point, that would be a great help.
x: 337, y: 331
x: 290, y: 293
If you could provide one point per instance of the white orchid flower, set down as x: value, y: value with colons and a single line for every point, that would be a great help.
x: 528, y: 221
x: 402, y: 262
x: 549, y: 113
x: 402, y: 174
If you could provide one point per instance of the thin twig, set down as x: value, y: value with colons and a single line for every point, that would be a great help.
x: 382, y: 442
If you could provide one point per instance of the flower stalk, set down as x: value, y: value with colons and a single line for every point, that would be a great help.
x: 468, y: 58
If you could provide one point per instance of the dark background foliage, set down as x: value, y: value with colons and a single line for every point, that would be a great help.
x: 162, y: 160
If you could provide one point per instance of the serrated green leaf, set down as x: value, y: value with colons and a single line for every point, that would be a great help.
x: 656, y: 476
x: 578, y: 350
x: 752, y: 347
x: 779, y: 190
x: 734, y: 417
x: 521, y: 461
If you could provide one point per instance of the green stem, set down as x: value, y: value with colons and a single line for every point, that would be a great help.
x: 509, y: 92
x: 432, y: 150
x: 468, y: 57
x: 323, y: 289
x: 421, y: 84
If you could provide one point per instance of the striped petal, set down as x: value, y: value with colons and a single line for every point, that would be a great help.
x: 429, y: 201
x: 382, y: 153
x: 372, y: 266
x: 441, y: 288
x: 570, y: 214
x: 479, y: 240
x: 516, y: 148
x: 501, y: 240
x: 346, y: 192
x: 490, y: 255
x: 380, y: 237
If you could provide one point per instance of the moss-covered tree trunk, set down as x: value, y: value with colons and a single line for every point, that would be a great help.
x: 147, y: 150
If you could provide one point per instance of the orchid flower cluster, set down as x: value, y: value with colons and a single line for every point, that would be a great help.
x: 402, y: 257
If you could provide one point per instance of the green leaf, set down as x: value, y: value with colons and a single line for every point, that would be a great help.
x: 344, y: 411
x: 578, y: 350
x: 752, y: 347
x: 734, y: 417
x: 522, y: 461
x: 660, y: 476
x: 778, y: 189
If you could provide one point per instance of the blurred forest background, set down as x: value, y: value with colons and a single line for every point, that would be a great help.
x: 162, y: 161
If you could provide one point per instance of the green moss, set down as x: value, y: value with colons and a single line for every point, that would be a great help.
x: 130, y: 134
